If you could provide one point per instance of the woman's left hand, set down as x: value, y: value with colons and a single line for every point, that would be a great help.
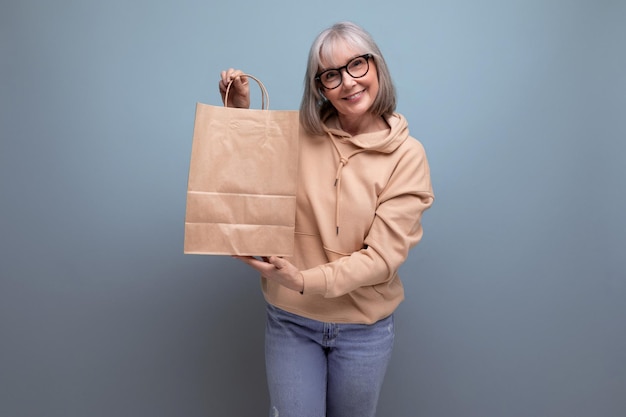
x: 277, y: 269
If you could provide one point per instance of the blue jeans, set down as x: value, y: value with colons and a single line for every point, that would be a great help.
x: 317, y: 369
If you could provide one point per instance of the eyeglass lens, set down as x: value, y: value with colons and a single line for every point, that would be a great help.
x: 356, y: 68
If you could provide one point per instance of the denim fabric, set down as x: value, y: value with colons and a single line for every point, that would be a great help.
x: 317, y: 369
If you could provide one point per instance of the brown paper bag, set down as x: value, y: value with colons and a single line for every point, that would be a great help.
x: 241, y: 193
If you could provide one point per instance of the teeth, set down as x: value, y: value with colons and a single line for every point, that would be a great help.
x: 353, y: 96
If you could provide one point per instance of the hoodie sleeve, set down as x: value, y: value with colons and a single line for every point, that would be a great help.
x: 395, y: 230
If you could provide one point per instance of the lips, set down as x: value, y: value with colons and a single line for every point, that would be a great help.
x: 354, y: 96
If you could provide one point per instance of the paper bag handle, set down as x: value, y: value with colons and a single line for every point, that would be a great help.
x: 265, y: 98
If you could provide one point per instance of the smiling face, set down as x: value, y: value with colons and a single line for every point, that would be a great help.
x: 355, y: 96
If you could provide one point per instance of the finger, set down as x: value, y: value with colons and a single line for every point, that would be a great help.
x: 241, y: 80
x: 223, y: 84
x: 227, y: 76
x: 232, y: 74
x: 245, y: 258
x: 255, y: 263
x: 279, y: 263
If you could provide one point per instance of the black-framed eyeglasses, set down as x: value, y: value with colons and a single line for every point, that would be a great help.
x: 356, y: 68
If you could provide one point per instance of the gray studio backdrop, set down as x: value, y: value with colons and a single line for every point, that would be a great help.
x: 515, y: 298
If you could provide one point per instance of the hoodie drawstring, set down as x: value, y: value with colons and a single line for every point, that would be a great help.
x: 343, y: 161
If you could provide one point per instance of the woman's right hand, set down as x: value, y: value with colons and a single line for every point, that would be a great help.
x: 239, y: 93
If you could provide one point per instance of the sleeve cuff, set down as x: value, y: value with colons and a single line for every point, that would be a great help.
x: 314, y: 281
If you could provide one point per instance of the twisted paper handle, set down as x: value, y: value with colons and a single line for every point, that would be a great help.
x: 265, y: 98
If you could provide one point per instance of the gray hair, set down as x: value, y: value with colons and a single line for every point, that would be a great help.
x: 314, y: 108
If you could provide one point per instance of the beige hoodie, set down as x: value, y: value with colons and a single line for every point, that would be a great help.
x: 359, y: 206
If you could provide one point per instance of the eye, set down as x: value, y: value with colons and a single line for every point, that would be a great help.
x: 356, y: 63
x: 330, y: 75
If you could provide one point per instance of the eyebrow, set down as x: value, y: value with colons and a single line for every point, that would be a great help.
x: 335, y: 68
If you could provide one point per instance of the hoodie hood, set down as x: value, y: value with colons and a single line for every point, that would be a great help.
x: 385, y: 141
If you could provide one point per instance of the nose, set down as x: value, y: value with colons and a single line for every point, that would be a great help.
x: 346, y: 79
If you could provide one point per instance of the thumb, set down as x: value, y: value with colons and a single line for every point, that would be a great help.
x: 279, y: 263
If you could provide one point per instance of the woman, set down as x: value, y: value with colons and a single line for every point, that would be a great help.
x: 362, y: 188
